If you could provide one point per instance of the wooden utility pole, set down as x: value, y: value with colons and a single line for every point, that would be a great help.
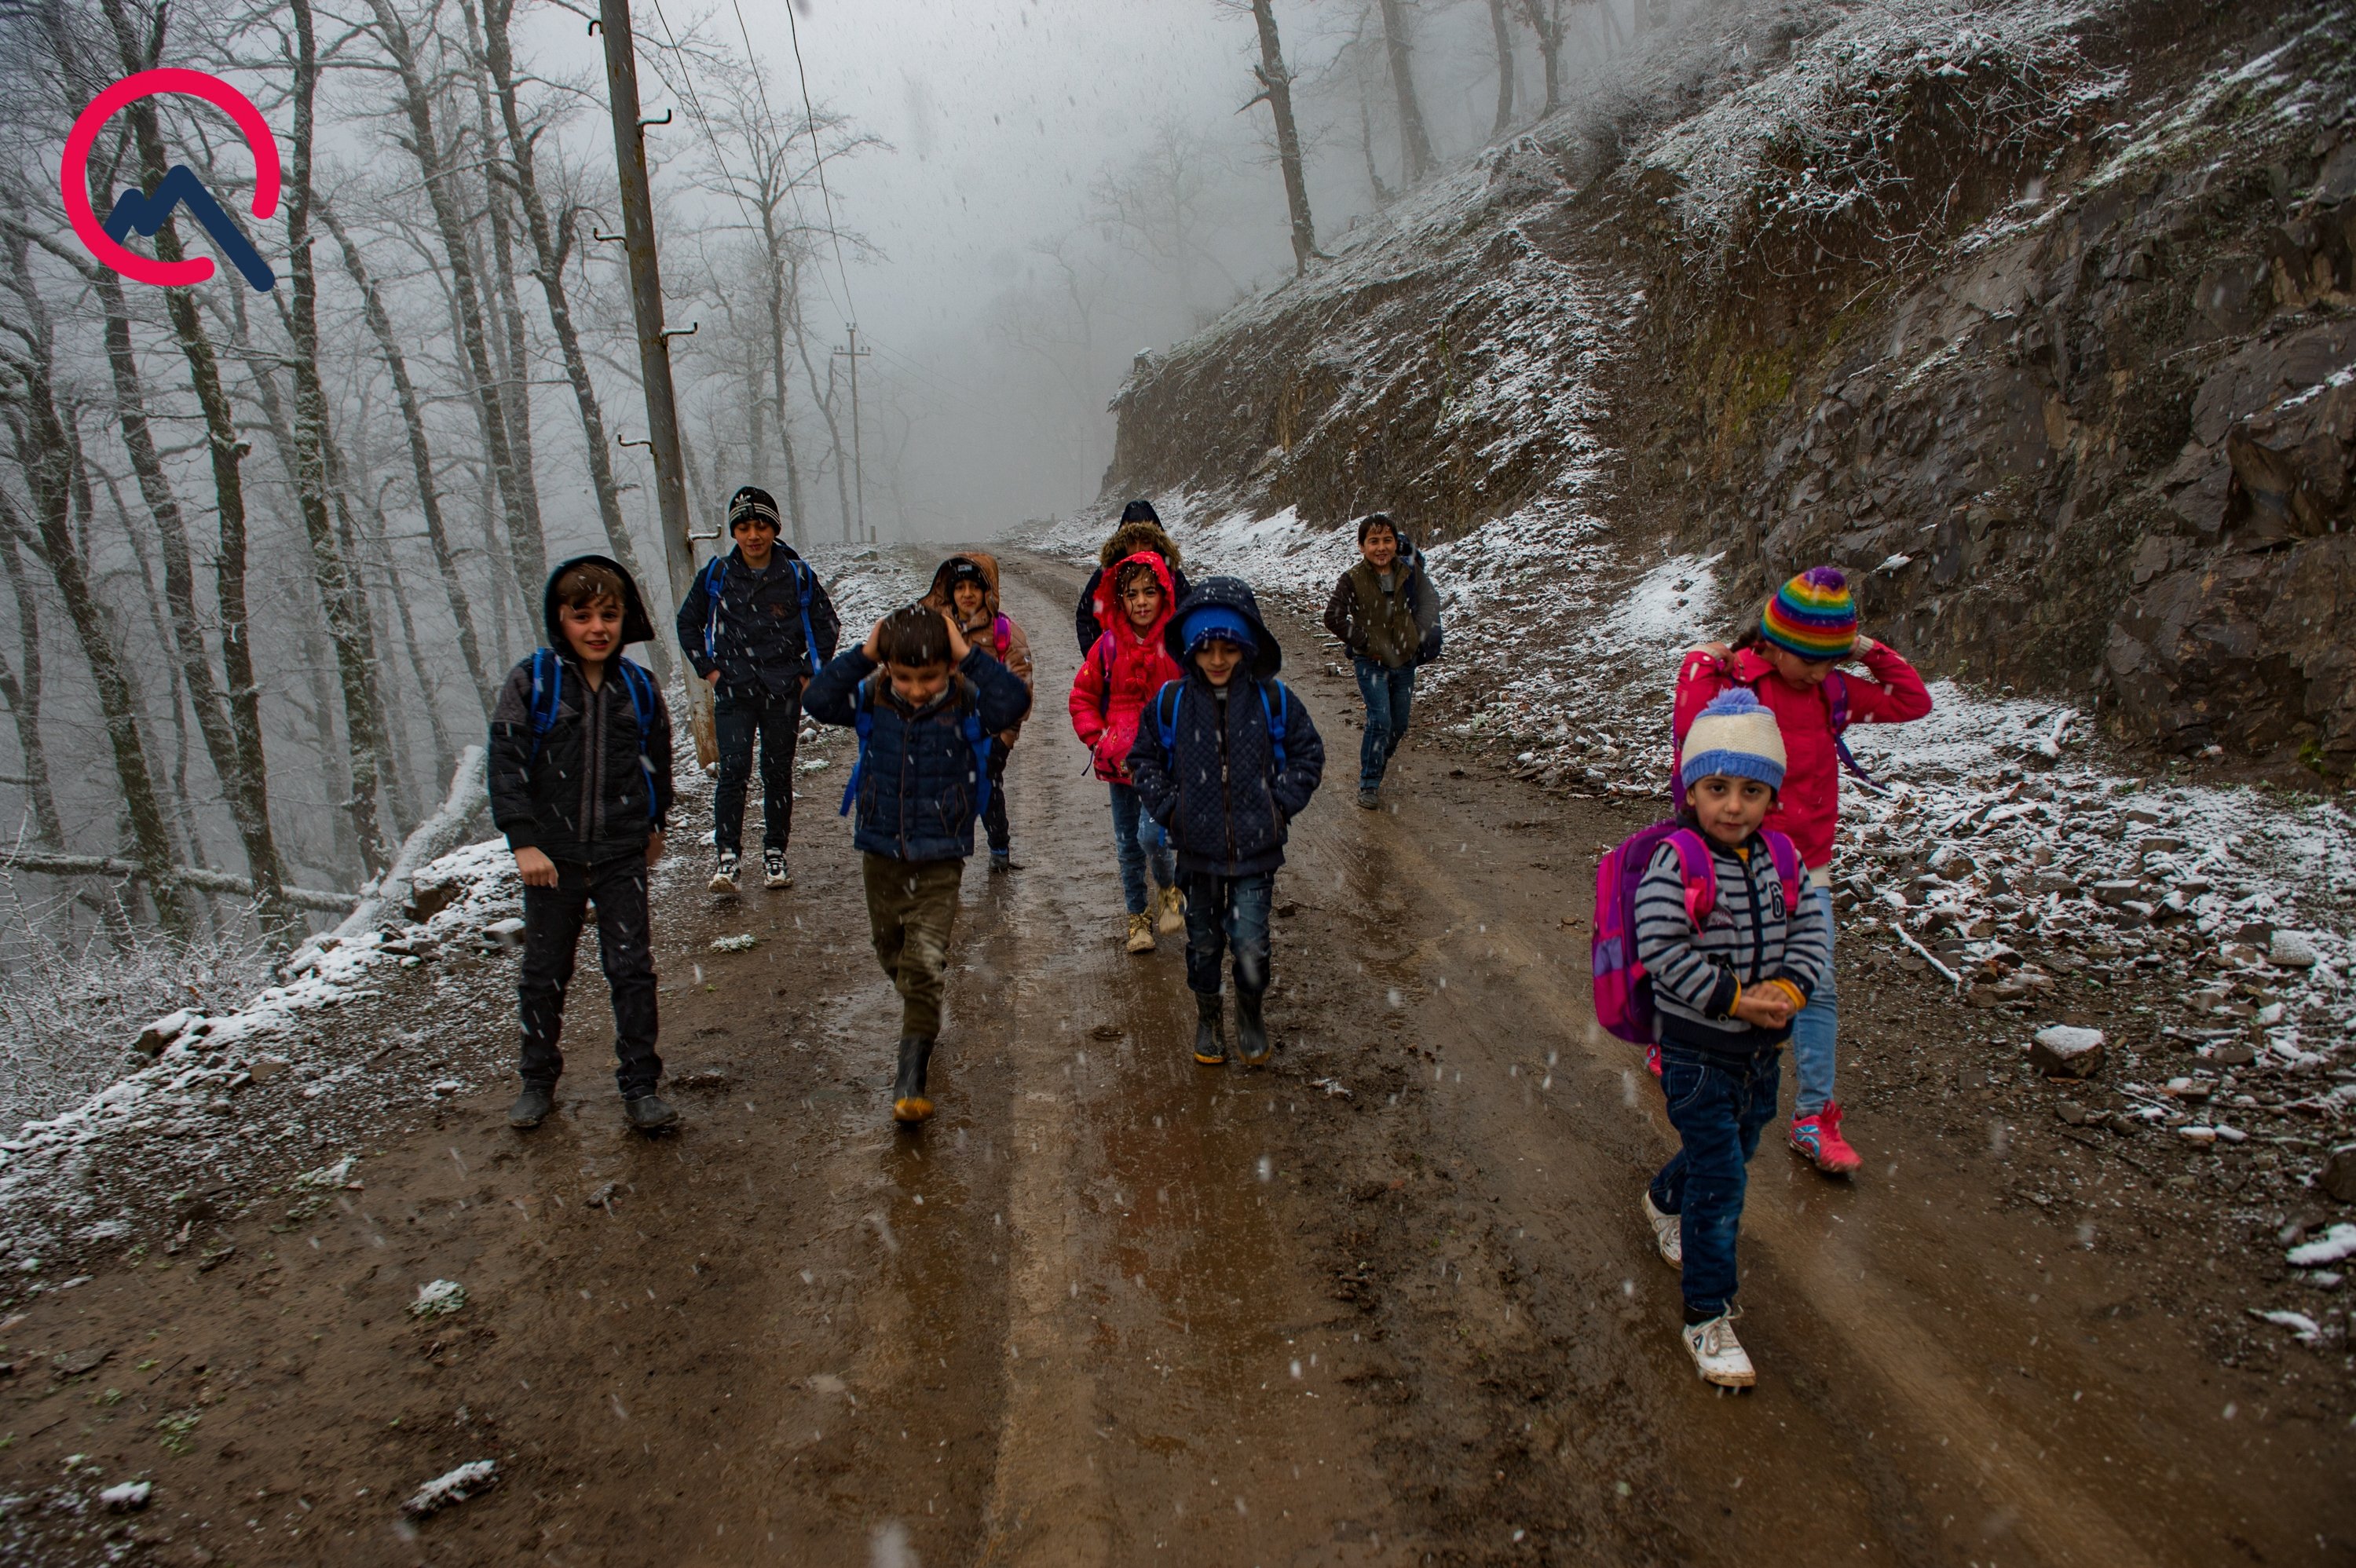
x: 858, y: 464
x: 654, y: 340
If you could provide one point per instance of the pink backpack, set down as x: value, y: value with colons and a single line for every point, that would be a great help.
x: 1623, y: 992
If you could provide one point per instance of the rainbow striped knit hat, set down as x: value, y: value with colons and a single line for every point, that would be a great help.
x: 1813, y: 615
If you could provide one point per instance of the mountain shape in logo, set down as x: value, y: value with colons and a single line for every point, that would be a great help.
x: 134, y: 208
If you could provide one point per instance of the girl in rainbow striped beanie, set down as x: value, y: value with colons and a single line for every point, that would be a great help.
x: 1789, y: 659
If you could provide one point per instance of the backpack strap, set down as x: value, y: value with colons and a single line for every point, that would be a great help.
x: 1104, y: 666
x: 1165, y: 721
x: 803, y: 581
x: 547, y: 694
x: 1788, y: 872
x: 862, y: 719
x: 640, y: 685
x: 1700, y: 872
x: 1275, y: 717
x: 714, y: 570
x: 977, y: 740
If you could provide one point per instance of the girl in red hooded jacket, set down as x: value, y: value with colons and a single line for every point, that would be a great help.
x: 1117, y: 679
x: 1806, y: 628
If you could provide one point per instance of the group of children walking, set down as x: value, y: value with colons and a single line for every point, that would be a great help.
x: 1714, y: 930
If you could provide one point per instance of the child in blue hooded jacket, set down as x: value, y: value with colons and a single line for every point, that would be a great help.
x: 925, y: 722
x: 1239, y: 761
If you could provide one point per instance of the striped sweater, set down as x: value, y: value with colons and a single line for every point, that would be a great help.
x: 1749, y: 937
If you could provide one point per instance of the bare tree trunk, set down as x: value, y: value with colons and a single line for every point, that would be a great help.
x: 774, y: 264
x: 525, y: 544
x: 246, y: 780
x: 825, y: 404
x: 42, y: 456
x: 551, y: 245
x: 1275, y: 87
x: 421, y: 458
x: 1502, y: 28
x: 339, y: 594
x: 1382, y: 193
x: 1415, y: 145
x: 1545, y: 18
x: 22, y: 687
x: 428, y: 690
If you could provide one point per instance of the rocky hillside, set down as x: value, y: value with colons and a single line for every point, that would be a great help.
x: 2038, y: 318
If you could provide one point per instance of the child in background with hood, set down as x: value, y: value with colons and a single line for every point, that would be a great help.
x: 1120, y: 674
x: 1788, y: 660
x: 966, y: 588
x: 1140, y: 528
x: 1224, y: 759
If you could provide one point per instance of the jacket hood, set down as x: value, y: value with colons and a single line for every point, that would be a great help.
x: 937, y: 596
x: 1131, y: 537
x: 1110, y: 613
x: 637, y: 625
x: 1228, y: 593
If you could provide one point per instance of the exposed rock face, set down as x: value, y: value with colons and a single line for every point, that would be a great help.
x: 2094, y: 436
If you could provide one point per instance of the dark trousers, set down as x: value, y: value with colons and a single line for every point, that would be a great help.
x: 1717, y: 1103
x: 993, y: 819
x: 1390, y: 696
x: 739, y: 720
x: 911, y: 911
x: 553, y: 919
x: 1230, y: 914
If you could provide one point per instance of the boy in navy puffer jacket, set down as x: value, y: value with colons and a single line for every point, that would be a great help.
x: 923, y: 724
x: 1241, y: 761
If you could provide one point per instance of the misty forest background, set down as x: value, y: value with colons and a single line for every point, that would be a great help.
x: 268, y: 553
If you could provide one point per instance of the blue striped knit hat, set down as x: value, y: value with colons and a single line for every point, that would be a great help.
x: 1735, y: 737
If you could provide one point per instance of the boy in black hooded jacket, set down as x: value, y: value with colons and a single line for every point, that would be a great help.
x: 580, y: 774
x: 1241, y: 763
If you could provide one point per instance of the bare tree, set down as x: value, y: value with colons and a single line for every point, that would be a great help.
x: 1546, y: 21
x: 1501, y: 27
x: 1276, y: 91
x: 21, y: 683
x: 1415, y: 144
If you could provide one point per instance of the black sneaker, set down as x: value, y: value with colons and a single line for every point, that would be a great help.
x: 909, y: 1101
x: 1252, y: 1044
x: 1002, y: 860
x: 1210, y: 1035
x: 650, y: 1112
x: 773, y: 874
x: 531, y: 1107
x: 1369, y: 800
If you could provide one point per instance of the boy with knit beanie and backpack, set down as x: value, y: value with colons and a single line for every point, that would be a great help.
x: 1788, y: 661
x: 1726, y: 952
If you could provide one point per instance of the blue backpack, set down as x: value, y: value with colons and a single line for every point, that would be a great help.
x: 1172, y: 692
x: 548, y: 692
x: 862, y: 719
x: 716, y: 569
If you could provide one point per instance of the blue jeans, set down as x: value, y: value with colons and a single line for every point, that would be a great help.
x: 1135, y: 837
x: 1388, y: 694
x: 1717, y: 1103
x: 1813, y: 1029
x: 737, y: 719
x: 1229, y: 913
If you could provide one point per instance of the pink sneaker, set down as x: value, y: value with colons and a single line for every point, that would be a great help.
x: 1818, y: 1139
x: 1653, y: 1060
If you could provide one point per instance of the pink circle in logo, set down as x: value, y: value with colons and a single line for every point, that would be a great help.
x: 74, y: 172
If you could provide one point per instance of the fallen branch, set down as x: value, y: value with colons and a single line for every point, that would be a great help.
x: 433, y: 839
x: 194, y: 876
x: 1929, y: 958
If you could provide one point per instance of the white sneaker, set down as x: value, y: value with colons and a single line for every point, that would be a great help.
x: 1667, y: 1231
x: 1718, y: 1355
x: 723, y: 880
x: 774, y: 874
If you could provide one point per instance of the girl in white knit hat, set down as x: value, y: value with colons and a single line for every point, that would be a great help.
x: 1733, y: 952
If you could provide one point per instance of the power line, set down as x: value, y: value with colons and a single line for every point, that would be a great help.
x: 809, y: 118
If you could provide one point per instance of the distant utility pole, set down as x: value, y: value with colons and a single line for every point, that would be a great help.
x: 858, y: 464
x: 654, y: 338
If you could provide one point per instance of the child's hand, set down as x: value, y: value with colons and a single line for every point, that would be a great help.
x: 959, y: 646
x: 653, y: 847
x: 1717, y: 651
x: 1764, y: 1008
x: 536, y: 868
x: 873, y: 646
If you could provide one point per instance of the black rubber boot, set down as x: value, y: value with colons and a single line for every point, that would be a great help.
x: 909, y: 1103
x: 1210, y: 1036
x: 1251, y: 1034
x: 650, y: 1112
x: 531, y: 1107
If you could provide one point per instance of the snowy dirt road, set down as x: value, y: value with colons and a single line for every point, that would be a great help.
x: 1387, y: 1302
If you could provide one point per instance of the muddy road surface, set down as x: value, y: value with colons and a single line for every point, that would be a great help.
x: 1389, y: 1301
